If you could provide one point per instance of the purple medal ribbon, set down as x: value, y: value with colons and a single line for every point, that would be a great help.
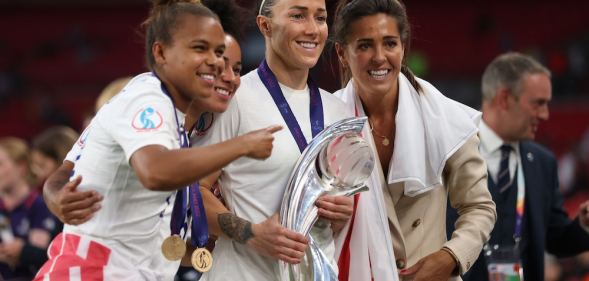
x: 178, y: 220
x: 316, y: 105
x: 200, y: 229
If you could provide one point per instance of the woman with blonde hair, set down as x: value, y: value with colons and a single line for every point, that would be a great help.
x: 26, y: 225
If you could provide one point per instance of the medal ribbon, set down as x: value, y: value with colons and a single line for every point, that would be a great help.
x: 316, y: 105
x: 200, y: 230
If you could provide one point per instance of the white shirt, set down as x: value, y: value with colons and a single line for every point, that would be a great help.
x: 490, y: 149
x: 131, y: 221
x: 253, y: 189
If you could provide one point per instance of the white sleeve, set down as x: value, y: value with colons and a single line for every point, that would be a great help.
x: 74, y: 154
x: 140, y: 120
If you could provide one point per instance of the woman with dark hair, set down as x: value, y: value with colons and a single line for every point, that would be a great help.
x: 130, y: 155
x: 427, y: 147
x: 231, y: 16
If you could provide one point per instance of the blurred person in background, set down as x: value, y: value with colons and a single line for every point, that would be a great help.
x: 26, y: 225
x: 48, y: 151
x: 111, y: 90
x: 523, y: 177
x: 552, y: 270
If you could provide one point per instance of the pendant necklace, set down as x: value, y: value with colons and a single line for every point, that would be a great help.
x: 385, y: 139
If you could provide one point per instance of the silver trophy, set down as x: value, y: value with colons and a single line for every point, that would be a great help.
x: 338, y: 161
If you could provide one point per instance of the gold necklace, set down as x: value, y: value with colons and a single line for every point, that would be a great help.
x: 385, y: 139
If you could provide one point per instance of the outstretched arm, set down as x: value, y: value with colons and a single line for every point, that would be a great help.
x: 161, y: 169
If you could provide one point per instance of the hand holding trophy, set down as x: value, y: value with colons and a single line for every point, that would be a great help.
x: 337, y: 162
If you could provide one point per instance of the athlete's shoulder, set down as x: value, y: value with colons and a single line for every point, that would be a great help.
x: 144, y: 85
x: 251, y: 87
x: 143, y: 89
x: 251, y: 81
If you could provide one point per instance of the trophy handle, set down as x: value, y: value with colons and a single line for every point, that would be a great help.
x: 322, y: 269
x: 317, y: 264
x: 324, y: 168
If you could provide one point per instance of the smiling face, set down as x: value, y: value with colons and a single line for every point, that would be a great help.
x: 190, y: 64
x: 373, y: 53
x: 523, y: 115
x: 296, y: 32
x: 227, y: 83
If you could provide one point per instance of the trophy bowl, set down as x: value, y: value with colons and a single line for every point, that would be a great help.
x: 338, y: 161
x: 345, y: 164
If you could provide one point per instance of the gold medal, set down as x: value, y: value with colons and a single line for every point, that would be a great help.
x: 174, y: 248
x: 202, y: 260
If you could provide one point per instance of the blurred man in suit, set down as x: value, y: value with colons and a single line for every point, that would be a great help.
x: 516, y: 92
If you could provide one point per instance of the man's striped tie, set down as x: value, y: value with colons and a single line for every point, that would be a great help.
x: 503, y: 177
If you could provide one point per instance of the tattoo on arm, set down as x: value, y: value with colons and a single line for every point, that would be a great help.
x: 235, y: 227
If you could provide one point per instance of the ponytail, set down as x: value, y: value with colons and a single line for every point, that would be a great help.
x: 411, y: 77
x: 345, y: 75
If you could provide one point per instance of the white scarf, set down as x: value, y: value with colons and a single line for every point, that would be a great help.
x: 430, y: 128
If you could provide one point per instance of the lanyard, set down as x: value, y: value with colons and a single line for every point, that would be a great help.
x: 316, y: 105
x: 519, y: 203
x: 200, y: 230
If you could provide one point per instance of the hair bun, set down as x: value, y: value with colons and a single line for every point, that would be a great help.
x: 163, y: 3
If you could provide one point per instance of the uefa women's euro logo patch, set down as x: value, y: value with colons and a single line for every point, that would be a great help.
x: 147, y: 119
x: 84, y: 136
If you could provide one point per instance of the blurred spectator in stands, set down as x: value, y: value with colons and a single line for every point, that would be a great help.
x: 573, y: 172
x: 111, y: 90
x: 26, y: 225
x: 523, y: 176
x: 552, y: 271
x: 49, y: 149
